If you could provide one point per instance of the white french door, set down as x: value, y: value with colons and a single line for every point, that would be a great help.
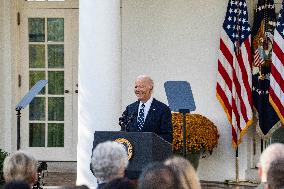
x: 49, y: 50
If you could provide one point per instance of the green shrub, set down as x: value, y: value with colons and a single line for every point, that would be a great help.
x: 3, y: 154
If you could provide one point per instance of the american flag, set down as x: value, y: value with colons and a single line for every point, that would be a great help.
x: 233, y: 88
x: 276, y: 94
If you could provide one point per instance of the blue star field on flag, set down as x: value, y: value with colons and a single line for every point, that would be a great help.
x: 236, y: 22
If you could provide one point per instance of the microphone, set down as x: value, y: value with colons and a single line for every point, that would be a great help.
x: 122, y: 121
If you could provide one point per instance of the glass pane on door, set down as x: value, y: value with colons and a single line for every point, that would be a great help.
x: 36, y: 56
x: 46, y: 61
x: 36, y: 29
x: 37, y: 109
x: 37, y: 135
x: 56, y: 135
x: 55, y: 56
x: 55, y: 29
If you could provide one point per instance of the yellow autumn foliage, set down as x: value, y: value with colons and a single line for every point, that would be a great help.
x: 201, y: 133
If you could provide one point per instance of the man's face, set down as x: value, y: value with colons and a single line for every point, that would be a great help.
x: 142, y: 90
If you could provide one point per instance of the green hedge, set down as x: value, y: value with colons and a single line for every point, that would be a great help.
x: 3, y: 154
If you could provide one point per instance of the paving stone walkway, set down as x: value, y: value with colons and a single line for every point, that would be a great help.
x: 212, y: 185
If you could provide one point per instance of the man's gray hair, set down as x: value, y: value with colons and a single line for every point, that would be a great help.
x: 108, y: 159
x: 146, y: 78
x: 271, y: 153
x: 20, y: 166
x: 275, y: 174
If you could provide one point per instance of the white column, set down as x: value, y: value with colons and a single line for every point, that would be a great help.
x: 99, y: 97
x: 7, y: 70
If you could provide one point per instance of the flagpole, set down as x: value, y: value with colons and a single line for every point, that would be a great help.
x: 238, y: 51
x: 237, y: 165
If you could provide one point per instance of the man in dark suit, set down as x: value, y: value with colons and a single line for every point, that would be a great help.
x: 147, y: 114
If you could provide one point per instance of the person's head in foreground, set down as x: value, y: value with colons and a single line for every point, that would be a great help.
x: 20, y: 166
x: 271, y: 153
x: 275, y: 175
x: 109, y: 161
x: 186, y: 174
x: 158, y: 176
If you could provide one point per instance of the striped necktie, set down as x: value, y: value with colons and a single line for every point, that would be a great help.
x: 140, y: 120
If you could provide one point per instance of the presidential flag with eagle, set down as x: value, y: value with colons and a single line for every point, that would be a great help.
x: 262, y: 39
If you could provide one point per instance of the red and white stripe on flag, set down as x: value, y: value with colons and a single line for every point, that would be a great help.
x: 234, y: 83
x: 276, y: 89
x: 258, y: 60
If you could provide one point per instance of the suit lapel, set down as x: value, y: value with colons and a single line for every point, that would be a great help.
x: 151, y: 114
x: 135, y: 112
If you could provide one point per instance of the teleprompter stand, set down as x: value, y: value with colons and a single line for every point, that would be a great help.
x: 181, y: 100
x: 26, y: 100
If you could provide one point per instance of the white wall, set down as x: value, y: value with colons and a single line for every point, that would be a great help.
x: 179, y: 40
x: 1, y: 71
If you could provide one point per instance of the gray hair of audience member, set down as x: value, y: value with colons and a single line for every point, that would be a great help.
x: 158, y: 176
x: 20, y: 166
x: 186, y: 174
x: 272, y: 152
x: 275, y: 174
x: 109, y: 161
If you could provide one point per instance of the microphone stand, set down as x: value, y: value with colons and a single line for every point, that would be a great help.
x: 131, y: 118
x: 124, y: 122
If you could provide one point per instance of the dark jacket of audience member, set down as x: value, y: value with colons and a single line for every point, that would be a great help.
x: 275, y: 174
x: 120, y: 183
x: 16, y: 185
x: 75, y: 187
x: 158, y: 176
x: 101, y: 185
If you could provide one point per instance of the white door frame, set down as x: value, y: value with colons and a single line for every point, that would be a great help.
x: 68, y: 152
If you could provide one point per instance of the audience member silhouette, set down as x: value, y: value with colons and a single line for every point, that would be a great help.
x: 275, y: 175
x: 20, y: 166
x: 184, y: 170
x: 17, y: 185
x: 120, y: 183
x: 75, y: 187
x: 109, y: 161
x: 158, y: 176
